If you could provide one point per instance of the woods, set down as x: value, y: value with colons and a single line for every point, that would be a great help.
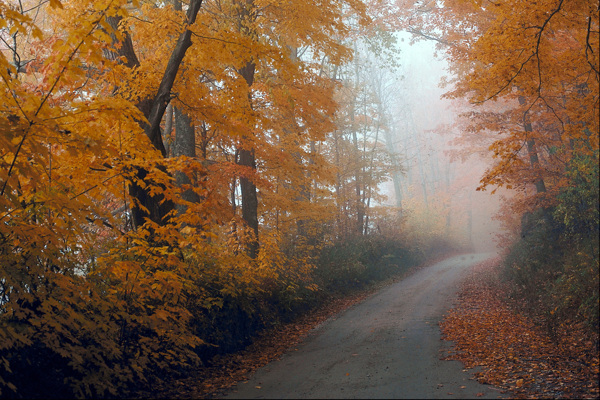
x: 176, y: 176
x: 532, y: 70
x: 167, y: 183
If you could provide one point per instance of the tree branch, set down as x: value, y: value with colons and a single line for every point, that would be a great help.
x: 162, y: 98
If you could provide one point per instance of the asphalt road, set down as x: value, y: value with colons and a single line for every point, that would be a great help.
x: 388, y: 346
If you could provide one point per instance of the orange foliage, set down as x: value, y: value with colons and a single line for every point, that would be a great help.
x: 533, y: 74
x: 103, y: 303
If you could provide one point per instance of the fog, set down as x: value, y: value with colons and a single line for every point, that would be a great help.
x: 423, y: 130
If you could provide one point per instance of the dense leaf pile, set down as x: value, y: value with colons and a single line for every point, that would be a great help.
x: 514, y: 352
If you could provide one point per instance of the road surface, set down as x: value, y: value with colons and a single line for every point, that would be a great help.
x: 388, y: 346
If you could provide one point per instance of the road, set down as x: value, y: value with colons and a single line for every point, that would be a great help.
x: 388, y: 346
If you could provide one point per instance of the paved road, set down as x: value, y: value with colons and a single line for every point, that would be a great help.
x: 385, y: 347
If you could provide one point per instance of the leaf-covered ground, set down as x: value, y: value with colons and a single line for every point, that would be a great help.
x: 511, y: 351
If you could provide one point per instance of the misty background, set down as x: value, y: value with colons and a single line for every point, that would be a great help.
x: 439, y: 181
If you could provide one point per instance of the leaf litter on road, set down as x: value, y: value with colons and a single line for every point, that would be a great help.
x: 514, y: 353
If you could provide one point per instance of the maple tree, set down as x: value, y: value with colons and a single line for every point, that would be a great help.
x: 131, y: 133
x: 538, y: 62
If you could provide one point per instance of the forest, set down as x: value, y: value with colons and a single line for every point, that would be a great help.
x: 177, y: 176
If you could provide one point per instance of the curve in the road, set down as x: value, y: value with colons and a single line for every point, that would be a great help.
x: 385, y: 347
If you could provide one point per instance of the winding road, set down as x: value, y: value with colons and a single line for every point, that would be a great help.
x: 388, y: 346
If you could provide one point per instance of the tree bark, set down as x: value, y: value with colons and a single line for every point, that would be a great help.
x: 389, y: 142
x: 168, y: 130
x: 184, y: 145
x: 157, y: 209
x: 248, y: 188
x: 540, y: 186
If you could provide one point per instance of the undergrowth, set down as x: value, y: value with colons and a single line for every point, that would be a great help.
x: 554, y: 268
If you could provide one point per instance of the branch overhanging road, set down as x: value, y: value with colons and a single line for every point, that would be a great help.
x: 388, y: 346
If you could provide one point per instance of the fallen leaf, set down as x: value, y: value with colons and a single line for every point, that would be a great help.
x: 519, y: 382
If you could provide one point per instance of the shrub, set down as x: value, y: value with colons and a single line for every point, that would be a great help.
x: 555, y: 266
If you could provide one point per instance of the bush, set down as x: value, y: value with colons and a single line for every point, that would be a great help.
x: 340, y: 268
x: 357, y: 261
x: 555, y: 266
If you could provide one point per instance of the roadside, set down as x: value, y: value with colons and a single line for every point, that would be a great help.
x: 224, y: 371
x: 510, y: 350
x: 386, y: 346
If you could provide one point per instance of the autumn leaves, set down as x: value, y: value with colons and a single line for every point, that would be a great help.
x: 119, y: 254
x: 529, y: 68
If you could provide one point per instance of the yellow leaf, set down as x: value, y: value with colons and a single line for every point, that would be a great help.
x: 519, y: 382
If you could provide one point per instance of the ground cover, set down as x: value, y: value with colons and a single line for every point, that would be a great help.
x: 510, y: 347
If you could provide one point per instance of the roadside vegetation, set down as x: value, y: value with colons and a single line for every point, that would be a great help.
x: 178, y: 176
x: 512, y: 347
x: 554, y: 267
x: 528, y: 71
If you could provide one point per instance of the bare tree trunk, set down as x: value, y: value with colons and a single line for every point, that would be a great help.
x: 389, y: 142
x: 540, y: 186
x: 423, y: 178
x: 357, y: 172
x: 447, y: 173
x: 249, y: 199
x: 248, y: 188
x: 168, y: 129
x: 338, y: 181
x: 470, y: 221
x: 368, y: 190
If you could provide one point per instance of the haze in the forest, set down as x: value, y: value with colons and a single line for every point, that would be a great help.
x: 425, y: 138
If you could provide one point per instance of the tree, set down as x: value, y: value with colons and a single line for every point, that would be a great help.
x: 116, y: 251
x: 532, y: 71
x: 153, y: 106
x: 538, y: 60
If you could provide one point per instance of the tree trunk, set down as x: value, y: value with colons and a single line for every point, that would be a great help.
x: 157, y: 209
x: 470, y: 220
x: 247, y: 159
x: 249, y: 200
x: 389, y: 143
x: 540, y: 186
x: 368, y: 188
x: 185, y: 145
x: 423, y: 177
x: 338, y: 184
x: 168, y: 130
